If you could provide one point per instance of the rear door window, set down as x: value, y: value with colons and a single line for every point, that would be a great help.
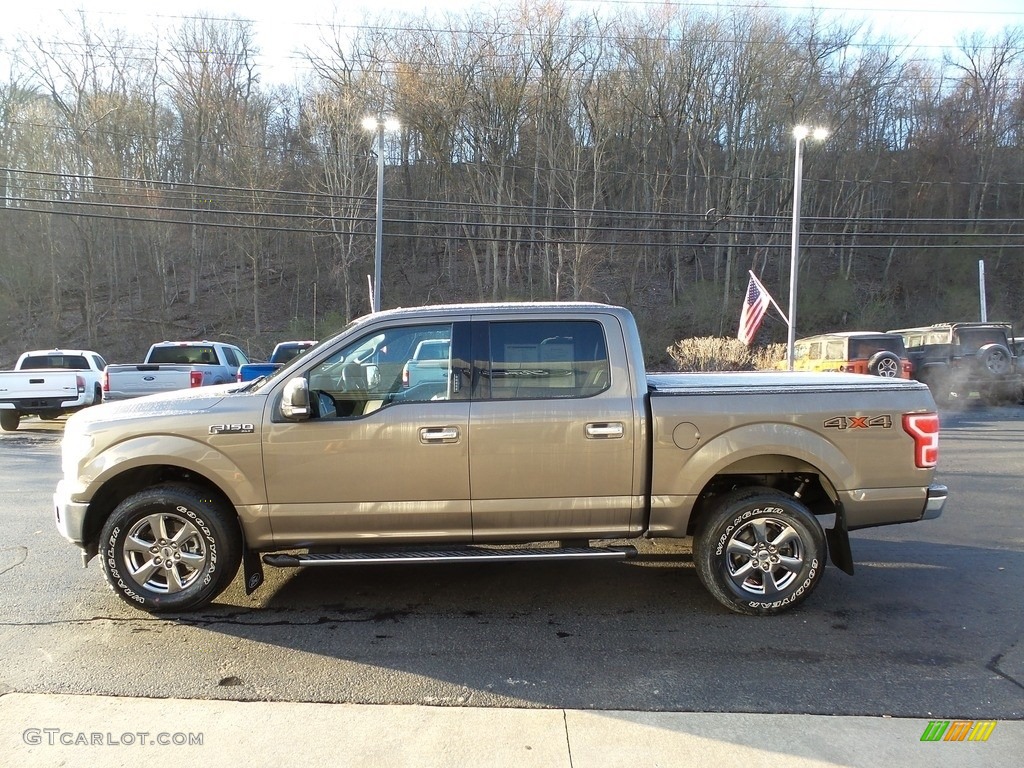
x: 544, y: 359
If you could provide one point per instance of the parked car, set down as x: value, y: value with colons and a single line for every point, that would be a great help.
x: 171, y: 365
x: 49, y: 383
x: 548, y: 441
x: 870, y: 352
x: 283, y: 353
x: 956, y: 359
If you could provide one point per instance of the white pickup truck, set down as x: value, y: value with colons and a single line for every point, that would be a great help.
x: 431, y: 362
x: 172, y: 365
x: 49, y: 383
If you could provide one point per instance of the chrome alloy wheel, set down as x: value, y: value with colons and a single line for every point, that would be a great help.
x: 888, y: 368
x: 764, y: 556
x: 164, y: 553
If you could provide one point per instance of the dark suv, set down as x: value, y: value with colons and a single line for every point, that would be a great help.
x: 955, y: 359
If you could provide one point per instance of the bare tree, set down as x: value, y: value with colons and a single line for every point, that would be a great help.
x: 212, y: 81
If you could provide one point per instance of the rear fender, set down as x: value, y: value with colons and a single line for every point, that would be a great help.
x: 756, y: 449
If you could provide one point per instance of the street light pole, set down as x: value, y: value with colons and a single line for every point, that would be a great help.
x: 799, y: 133
x: 379, y: 125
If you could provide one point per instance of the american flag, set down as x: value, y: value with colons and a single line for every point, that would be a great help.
x: 754, y: 306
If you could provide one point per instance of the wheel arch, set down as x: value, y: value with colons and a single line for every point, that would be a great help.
x: 127, y: 483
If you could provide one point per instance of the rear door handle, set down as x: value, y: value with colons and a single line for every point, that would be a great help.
x: 605, y: 430
x: 439, y: 434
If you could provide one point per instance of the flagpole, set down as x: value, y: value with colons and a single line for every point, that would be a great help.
x: 799, y: 134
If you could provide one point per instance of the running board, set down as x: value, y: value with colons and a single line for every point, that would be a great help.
x: 467, y: 555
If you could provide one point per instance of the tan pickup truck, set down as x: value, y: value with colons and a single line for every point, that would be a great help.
x: 544, y: 439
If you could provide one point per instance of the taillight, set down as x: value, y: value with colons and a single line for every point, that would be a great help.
x: 106, y: 381
x: 80, y: 381
x: 924, y: 428
x: 195, y: 378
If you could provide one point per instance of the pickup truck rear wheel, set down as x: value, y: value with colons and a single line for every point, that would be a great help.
x: 170, y: 548
x: 9, y: 420
x: 759, y: 552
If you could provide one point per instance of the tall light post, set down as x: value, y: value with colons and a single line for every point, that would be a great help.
x: 380, y: 125
x: 800, y: 133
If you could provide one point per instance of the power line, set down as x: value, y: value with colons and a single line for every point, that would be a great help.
x: 187, y: 190
x: 1015, y: 240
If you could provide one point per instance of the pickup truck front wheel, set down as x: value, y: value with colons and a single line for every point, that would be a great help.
x: 759, y: 552
x: 170, y: 548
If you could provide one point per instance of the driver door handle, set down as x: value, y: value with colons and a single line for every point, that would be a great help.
x: 605, y: 430
x: 429, y: 435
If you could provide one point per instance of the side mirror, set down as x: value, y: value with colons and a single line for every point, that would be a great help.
x: 295, y: 401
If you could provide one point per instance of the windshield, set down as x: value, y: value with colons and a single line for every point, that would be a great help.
x: 287, y: 352
x: 76, y: 362
x: 198, y: 354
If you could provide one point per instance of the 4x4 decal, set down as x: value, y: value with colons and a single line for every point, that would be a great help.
x: 858, y: 422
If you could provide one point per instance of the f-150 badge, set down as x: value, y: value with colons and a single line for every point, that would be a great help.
x: 231, y: 429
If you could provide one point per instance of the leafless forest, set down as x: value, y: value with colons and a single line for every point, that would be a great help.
x: 164, y: 186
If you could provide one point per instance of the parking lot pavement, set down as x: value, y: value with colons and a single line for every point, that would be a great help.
x: 66, y: 730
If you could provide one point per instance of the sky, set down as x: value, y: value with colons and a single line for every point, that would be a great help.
x: 281, y: 28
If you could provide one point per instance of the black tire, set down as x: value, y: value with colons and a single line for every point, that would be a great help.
x: 180, y: 568
x: 885, y: 364
x: 994, y: 360
x: 97, y: 395
x: 759, y: 552
x: 939, y: 384
x: 9, y: 420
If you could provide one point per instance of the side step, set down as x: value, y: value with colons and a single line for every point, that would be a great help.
x: 462, y: 555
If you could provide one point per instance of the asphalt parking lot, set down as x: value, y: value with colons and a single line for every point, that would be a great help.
x: 923, y: 629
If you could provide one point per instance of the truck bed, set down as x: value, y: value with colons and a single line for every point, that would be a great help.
x: 780, y: 382
x: 766, y: 423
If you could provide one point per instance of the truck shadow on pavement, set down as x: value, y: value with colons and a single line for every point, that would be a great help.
x: 922, y: 627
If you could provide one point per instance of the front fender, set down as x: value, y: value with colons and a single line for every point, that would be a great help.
x: 240, y: 485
